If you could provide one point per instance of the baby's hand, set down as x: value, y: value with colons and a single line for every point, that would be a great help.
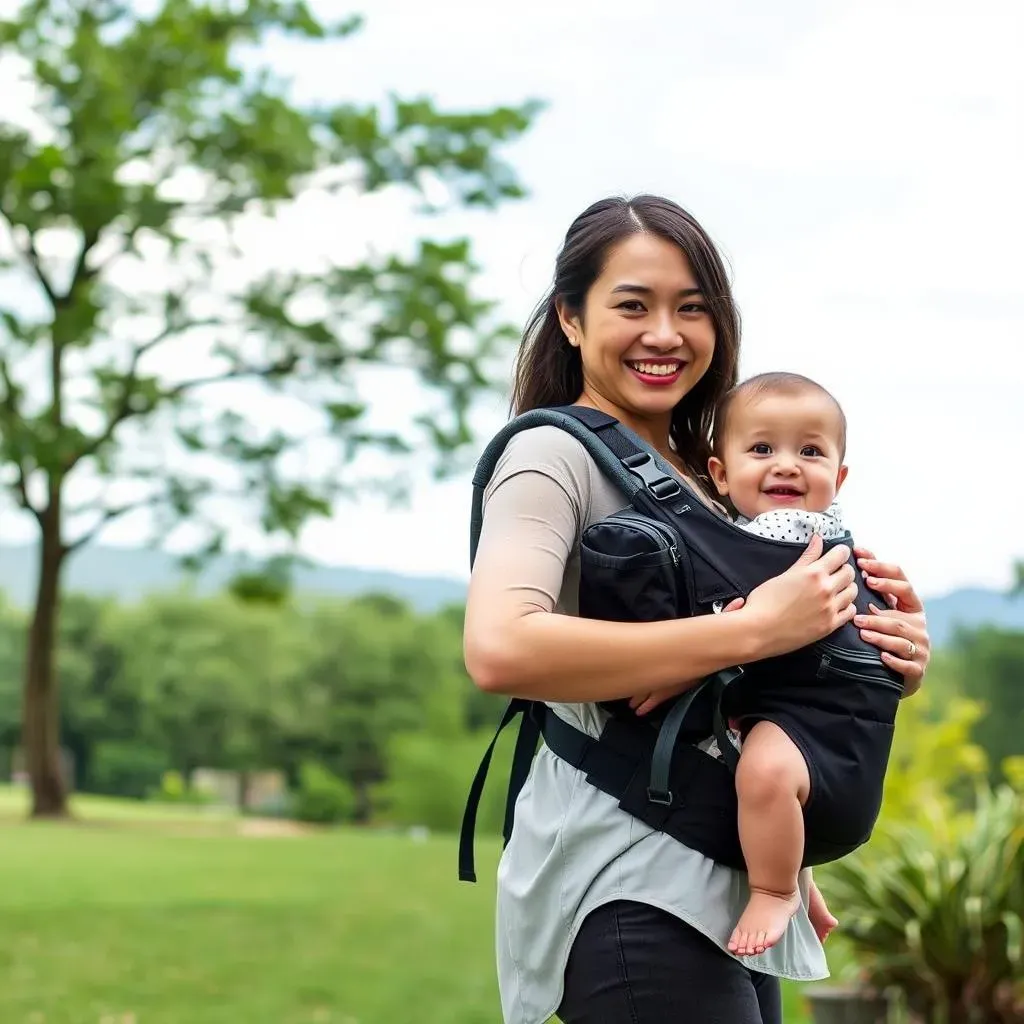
x: 646, y: 703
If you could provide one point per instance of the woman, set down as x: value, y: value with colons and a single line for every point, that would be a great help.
x: 600, y: 918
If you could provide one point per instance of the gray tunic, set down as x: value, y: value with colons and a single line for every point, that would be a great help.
x: 572, y: 848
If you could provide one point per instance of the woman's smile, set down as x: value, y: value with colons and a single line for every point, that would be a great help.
x: 657, y: 372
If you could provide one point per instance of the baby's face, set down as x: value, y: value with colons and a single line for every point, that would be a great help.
x: 781, y: 451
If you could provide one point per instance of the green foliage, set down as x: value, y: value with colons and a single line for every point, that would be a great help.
x: 323, y: 797
x: 990, y: 661
x: 210, y: 678
x: 367, y: 677
x: 270, y: 584
x: 941, y: 917
x: 12, y: 645
x: 122, y: 768
x: 429, y: 780
x: 1013, y: 769
x: 933, y: 759
x: 149, y: 125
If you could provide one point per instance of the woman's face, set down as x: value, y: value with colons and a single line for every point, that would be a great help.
x: 645, y: 337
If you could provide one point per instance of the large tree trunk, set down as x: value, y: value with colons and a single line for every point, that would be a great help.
x: 40, y: 706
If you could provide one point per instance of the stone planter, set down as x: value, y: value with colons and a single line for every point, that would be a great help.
x: 847, y: 1006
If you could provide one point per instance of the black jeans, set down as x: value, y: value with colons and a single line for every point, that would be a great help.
x: 635, y: 964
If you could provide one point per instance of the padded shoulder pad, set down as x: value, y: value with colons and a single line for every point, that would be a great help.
x: 582, y: 423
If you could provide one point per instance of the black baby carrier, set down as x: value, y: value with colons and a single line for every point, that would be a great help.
x: 669, y: 555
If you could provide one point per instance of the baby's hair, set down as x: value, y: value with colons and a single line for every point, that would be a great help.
x: 775, y: 383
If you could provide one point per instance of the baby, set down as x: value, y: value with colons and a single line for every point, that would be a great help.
x: 780, y: 441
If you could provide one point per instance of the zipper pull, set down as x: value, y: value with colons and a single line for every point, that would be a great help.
x: 826, y: 660
x: 674, y: 553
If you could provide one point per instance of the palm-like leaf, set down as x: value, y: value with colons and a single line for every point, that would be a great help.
x: 942, y: 917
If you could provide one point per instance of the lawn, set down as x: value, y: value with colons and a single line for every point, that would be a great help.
x: 145, y: 915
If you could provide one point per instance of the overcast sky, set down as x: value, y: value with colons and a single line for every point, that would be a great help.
x: 859, y: 163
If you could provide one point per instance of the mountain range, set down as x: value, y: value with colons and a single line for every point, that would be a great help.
x: 129, y: 574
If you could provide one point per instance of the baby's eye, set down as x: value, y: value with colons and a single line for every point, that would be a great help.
x: 810, y: 451
x: 761, y: 448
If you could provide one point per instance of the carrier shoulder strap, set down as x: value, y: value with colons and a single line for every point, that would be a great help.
x: 618, y: 454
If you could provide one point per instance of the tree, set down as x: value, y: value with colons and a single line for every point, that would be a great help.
x: 151, y: 147
x: 211, y: 679
x: 366, y: 678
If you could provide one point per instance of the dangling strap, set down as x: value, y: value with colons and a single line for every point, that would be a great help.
x: 658, y: 791
x: 661, y: 761
x: 522, y: 759
x: 526, y: 746
x: 729, y: 753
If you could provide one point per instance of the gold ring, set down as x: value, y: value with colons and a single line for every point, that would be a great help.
x: 913, y: 649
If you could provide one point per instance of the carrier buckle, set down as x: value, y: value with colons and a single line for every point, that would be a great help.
x: 658, y: 796
x: 659, y: 484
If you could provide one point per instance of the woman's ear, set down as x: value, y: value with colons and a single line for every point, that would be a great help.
x: 570, y: 323
x: 716, y: 470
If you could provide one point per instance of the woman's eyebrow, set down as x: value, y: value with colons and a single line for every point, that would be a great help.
x: 644, y: 290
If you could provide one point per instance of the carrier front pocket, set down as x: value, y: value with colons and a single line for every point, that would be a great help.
x: 629, y: 570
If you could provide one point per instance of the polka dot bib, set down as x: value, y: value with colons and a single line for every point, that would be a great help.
x: 796, y: 524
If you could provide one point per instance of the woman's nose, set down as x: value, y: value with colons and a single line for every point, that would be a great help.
x: 662, y: 336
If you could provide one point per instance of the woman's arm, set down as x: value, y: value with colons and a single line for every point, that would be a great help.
x: 516, y: 644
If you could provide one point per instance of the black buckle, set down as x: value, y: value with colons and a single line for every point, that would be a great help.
x: 659, y: 484
x: 656, y: 796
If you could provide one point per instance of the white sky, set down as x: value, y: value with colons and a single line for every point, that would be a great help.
x: 860, y: 165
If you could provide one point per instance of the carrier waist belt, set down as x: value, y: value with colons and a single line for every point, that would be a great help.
x: 699, y: 808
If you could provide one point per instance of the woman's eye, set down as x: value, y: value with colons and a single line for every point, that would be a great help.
x: 693, y: 307
x: 761, y: 448
x: 631, y: 305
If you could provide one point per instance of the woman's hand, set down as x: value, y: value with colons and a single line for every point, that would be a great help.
x: 811, y: 599
x: 900, y: 631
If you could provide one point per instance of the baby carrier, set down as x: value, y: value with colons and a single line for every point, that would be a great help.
x: 669, y: 555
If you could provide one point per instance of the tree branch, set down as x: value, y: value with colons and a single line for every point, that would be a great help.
x: 107, y: 516
x: 79, y: 274
x: 124, y: 410
x: 281, y: 367
x: 31, y: 257
x: 12, y: 416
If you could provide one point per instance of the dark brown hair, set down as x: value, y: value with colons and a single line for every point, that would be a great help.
x: 549, y: 371
x: 778, y: 382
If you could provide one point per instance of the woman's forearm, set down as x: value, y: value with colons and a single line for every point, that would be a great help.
x: 553, y: 657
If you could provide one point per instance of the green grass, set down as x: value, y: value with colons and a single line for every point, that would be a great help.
x: 138, y: 914
x: 14, y: 806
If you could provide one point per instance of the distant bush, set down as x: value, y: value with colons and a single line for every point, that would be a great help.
x: 172, y: 790
x: 126, y: 769
x: 322, y: 797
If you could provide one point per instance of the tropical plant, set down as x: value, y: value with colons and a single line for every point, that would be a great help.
x: 940, y: 917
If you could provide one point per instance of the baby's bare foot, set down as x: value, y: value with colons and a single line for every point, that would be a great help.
x: 763, y: 922
x: 820, y: 916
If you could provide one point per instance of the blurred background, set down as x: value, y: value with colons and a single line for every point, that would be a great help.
x: 263, y: 266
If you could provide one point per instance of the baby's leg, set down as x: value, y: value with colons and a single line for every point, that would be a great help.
x: 772, y: 786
